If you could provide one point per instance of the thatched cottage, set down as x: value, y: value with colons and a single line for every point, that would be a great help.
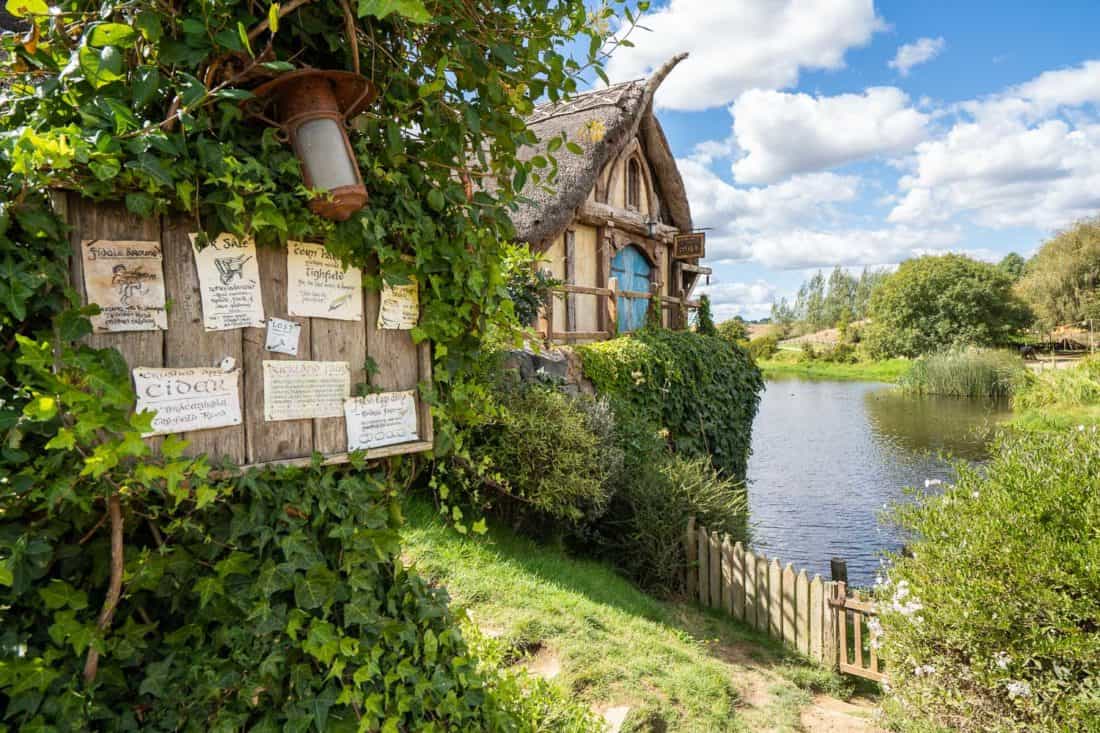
x: 615, y: 214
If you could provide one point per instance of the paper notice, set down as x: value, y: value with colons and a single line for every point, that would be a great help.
x: 126, y: 279
x: 297, y: 390
x: 282, y: 336
x: 399, y: 307
x: 229, y: 279
x: 382, y: 419
x: 318, y: 286
x: 188, y: 399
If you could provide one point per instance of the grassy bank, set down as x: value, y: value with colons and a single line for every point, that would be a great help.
x: 788, y: 363
x: 1060, y: 399
x: 608, y: 644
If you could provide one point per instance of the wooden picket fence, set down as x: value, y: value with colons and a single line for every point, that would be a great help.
x: 775, y: 599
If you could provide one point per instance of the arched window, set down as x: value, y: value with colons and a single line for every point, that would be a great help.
x: 633, y: 184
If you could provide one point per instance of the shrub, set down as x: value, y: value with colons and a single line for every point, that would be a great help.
x: 967, y: 373
x: 734, y: 330
x: 1078, y: 386
x: 992, y: 624
x: 808, y: 352
x: 841, y: 353
x: 937, y: 302
x: 274, y: 602
x: 704, y: 321
x: 763, y: 348
x: 543, y: 452
x: 702, y: 389
x: 643, y: 531
x: 529, y: 284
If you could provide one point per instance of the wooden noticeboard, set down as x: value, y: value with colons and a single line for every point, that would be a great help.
x: 690, y: 246
x: 184, y: 343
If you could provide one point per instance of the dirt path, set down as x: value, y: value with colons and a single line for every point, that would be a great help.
x: 829, y: 715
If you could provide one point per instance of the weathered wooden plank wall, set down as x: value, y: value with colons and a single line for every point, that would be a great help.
x: 402, y: 365
x: 766, y: 595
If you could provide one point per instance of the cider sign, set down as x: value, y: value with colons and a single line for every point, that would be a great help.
x: 195, y: 398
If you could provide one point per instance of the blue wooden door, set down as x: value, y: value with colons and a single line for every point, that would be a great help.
x: 632, y: 270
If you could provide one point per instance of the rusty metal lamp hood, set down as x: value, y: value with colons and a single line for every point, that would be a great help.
x: 311, y: 107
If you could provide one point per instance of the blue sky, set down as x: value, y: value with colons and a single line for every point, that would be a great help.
x: 812, y: 133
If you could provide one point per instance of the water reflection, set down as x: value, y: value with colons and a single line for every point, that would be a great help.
x: 828, y: 456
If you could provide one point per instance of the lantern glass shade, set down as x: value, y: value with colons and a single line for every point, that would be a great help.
x: 323, y: 150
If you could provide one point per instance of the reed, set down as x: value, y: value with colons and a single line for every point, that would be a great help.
x: 972, y: 372
x: 1078, y: 386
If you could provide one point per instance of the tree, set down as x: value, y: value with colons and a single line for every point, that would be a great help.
x: 869, y: 280
x: 1062, y: 276
x: 1013, y: 264
x: 840, y: 301
x: 810, y: 305
x: 734, y: 329
x: 933, y: 302
x: 704, y: 323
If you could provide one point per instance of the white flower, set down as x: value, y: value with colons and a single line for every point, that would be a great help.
x: 1019, y: 689
x: 1002, y: 660
x: 925, y: 670
x: 1080, y: 428
x: 930, y: 482
x: 975, y: 495
x: 639, y: 378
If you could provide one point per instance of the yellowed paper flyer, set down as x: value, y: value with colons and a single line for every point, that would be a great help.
x: 229, y: 280
x: 296, y: 390
x: 187, y: 399
x: 318, y: 286
x: 381, y: 419
x: 126, y: 279
x: 399, y: 307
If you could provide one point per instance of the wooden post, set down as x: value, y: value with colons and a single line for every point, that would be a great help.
x: 842, y: 625
x: 550, y: 318
x: 739, y: 581
x: 715, y: 570
x: 750, y: 588
x: 789, y: 634
x: 692, y: 570
x: 728, y: 583
x: 830, y: 656
x: 613, y: 307
x: 571, y: 279
x: 802, y: 612
x: 775, y: 599
x: 762, y: 583
x: 704, y: 565
x: 818, y: 611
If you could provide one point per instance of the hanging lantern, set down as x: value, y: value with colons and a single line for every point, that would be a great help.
x: 311, y: 108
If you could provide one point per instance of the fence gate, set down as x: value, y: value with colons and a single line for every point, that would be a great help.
x: 853, y: 616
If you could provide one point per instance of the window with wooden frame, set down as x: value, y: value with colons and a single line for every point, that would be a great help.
x: 633, y: 184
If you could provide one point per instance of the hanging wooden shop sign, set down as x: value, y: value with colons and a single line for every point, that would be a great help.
x: 690, y: 246
x: 251, y: 354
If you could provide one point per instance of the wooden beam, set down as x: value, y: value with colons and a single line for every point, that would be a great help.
x: 570, y: 279
x: 597, y: 214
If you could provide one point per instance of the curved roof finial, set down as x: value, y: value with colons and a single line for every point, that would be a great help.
x: 659, y: 75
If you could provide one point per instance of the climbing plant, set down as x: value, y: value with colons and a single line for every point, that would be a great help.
x: 137, y: 587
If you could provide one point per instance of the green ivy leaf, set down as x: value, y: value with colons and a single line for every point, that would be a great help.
x: 111, y: 34
x: 100, y: 67
x: 411, y: 10
x: 27, y: 8
x: 315, y: 588
x: 41, y: 408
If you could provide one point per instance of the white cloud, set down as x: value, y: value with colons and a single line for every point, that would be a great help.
x: 737, y: 46
x: 914, y: 54
x: 1029, y: 157
x: 783, y: 134
x: 748, y: 300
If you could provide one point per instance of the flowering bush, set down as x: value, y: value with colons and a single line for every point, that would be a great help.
x: 993, y: 623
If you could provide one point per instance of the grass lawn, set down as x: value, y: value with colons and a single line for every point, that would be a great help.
x: 610, y: 645
x: 1057, y: 417
x: 788, y: 363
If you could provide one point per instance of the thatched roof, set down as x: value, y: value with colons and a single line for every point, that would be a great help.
x: 602, y: 122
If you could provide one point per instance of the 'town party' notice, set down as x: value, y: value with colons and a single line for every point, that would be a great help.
x: 381, y: 419
x: 298, y: 390
x: 189, y: 399
x: 318, y: 286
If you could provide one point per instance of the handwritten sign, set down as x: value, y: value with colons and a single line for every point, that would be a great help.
x: 283, y: 336
x: 318, y: 286
x: 382, y: 419
x: 229, y: 280
x: 297, y: 390
x: 126, y: 279
x: 198, y: 398
x: 399, y: 307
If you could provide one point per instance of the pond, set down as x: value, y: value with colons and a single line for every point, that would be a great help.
x: 827, y: 456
